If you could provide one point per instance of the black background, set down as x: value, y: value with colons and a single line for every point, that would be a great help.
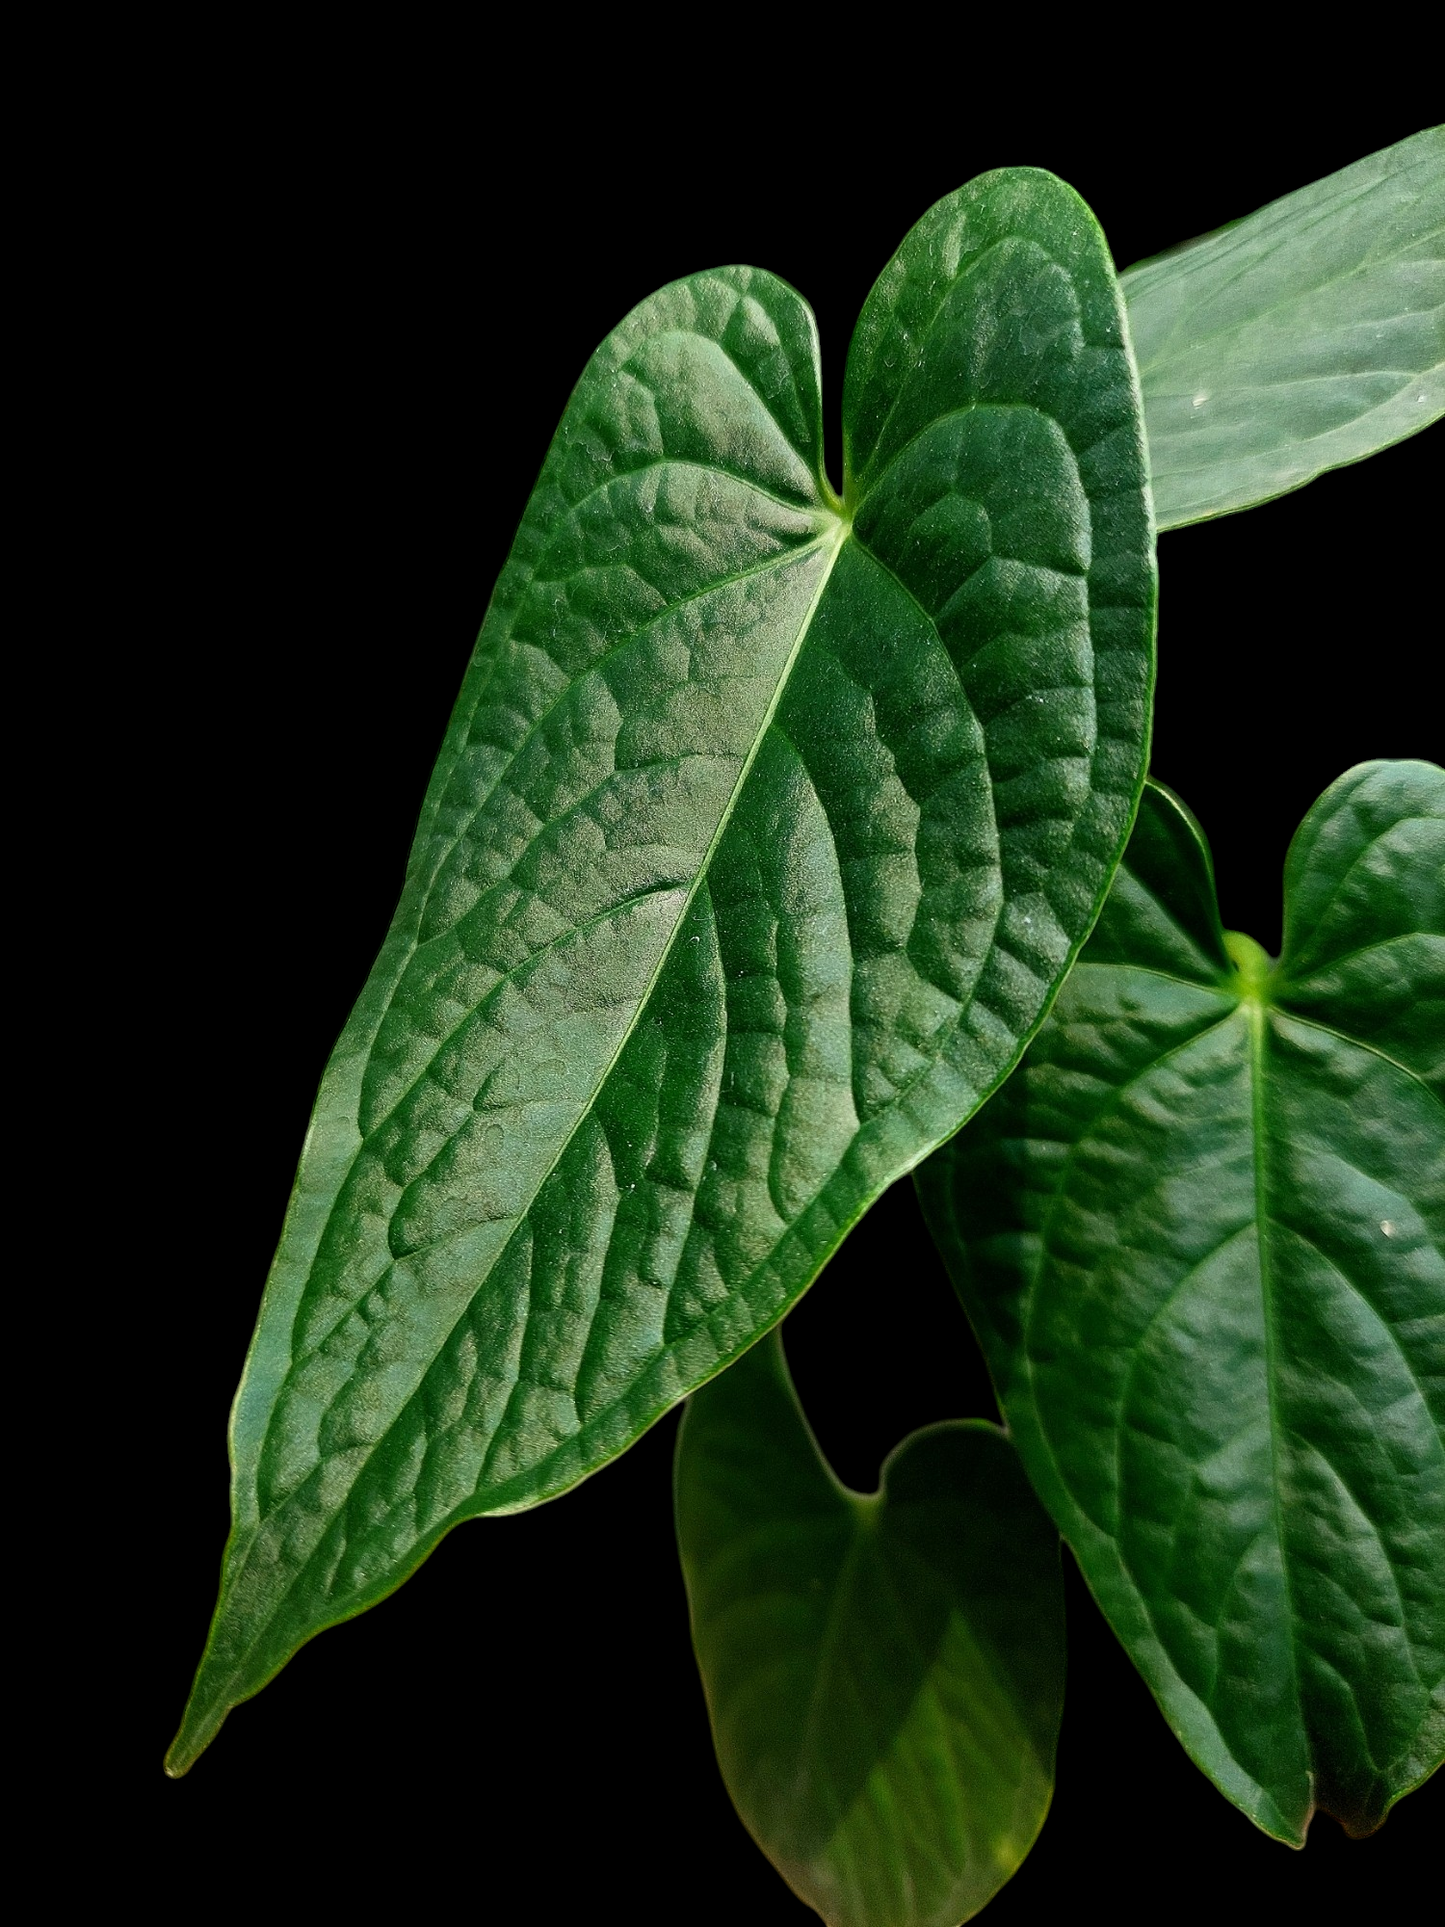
x: 356, y: 298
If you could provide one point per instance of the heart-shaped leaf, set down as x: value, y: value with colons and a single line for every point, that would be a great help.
x: 764, y: 830
x: 1201, y: 1235
x: 1308, y: 335
x: 884, y: 1674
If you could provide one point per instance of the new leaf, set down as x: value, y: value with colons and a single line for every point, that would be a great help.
x: 884, y: 1673
x: 1201, y: 1235
x: 763, y: 832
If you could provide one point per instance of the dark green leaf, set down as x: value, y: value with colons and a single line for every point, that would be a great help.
x: 1201, y: 1234
x: 1307, y: 336
x: 884, y: 1674
x: 762, y: 834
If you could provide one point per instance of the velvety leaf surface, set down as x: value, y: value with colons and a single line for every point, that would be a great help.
x: 1201, y: 1234
x: 762, y: 833
x: 884, y: 1674
x: 1308, y: 335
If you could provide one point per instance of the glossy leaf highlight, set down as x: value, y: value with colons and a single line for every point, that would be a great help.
x: 763, y: 832
x: 1308, y: 335
x: 1201, y: 1236
x: 884, y: 1673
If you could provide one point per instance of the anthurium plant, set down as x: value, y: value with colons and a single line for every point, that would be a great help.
x: 788, y: 839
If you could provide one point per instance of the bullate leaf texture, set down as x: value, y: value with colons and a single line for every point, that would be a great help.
x: 764, y: 830
x: 1308, y: 335
x: 884, y: 1673
x: 1201, y: 1236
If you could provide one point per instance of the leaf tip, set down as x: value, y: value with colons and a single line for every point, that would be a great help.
x: 197, y: 1730
x: 180, y: 1757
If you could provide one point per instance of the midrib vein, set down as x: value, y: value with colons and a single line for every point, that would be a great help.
x: 584, y: 1111
x: 1258, y: 1018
